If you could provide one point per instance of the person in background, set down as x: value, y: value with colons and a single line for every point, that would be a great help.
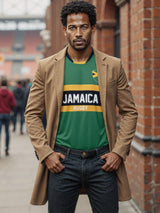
x: 19, y: 94
x: 7, y: 102
x: 11, y: 87
x: 80, y: 87
x: 27, y: 91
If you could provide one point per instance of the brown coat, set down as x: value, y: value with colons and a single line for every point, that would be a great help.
x: 47, y: 92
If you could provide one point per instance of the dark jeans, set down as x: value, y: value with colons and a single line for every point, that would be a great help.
x: 64, y: 187
x: 18, y: 111
x: 5, y: 120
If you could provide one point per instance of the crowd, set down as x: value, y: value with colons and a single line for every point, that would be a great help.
x: 13, y: 100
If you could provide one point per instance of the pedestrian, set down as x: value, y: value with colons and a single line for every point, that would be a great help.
x: 19, y: 93
x: 27, y: 91
x: 7, y: 102
x: 80, y: 88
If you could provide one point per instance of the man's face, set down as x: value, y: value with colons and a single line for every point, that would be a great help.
x: 78, y: 31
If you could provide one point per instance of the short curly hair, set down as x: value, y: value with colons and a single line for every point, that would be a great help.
x: 78, y: 7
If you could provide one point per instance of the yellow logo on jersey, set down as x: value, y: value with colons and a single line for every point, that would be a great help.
x: 94, y: 74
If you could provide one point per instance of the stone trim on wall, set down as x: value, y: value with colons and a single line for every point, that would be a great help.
x: 120, y: 3
x: 145, y: 151
x: 147, y: 138
x: 105, y: 24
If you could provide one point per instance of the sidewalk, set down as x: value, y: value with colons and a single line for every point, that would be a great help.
x: 17, y: 174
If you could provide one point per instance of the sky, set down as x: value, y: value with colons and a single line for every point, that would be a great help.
x: 23, y: 7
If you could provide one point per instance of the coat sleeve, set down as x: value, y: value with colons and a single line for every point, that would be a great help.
x: 34, y: 113
x: 128, y: 114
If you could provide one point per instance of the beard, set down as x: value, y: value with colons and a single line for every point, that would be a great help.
x: 86, y: 43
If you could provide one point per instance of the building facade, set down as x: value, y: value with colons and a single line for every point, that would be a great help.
x: 130, y: 29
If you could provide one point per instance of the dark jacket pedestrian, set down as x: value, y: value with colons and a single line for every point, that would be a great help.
x: 19, y: 93
x: 27, y: 91
x: 7, y: 102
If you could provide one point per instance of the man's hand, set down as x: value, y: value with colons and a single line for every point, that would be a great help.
x: 113, y: 161
x: 53, y: 162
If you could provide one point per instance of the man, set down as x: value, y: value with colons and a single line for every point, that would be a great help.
x: 19, y: 93
x: 7, y: 102
x: 80, y: 88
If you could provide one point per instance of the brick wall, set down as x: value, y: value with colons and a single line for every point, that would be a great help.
x: 125, y: 38
x: 105, y: 26
x: 143, y: 164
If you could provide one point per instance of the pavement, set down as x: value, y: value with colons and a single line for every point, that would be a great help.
x: 17, y: 174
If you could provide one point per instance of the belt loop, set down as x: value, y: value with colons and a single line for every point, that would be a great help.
x: 68, y: 151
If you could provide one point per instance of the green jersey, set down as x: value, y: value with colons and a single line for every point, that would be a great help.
x: 81, y: 123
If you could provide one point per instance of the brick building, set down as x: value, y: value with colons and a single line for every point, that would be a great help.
x: 130, y: 29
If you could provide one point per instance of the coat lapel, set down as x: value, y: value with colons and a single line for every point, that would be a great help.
x: 59, y: 76
x: 102, y: 68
